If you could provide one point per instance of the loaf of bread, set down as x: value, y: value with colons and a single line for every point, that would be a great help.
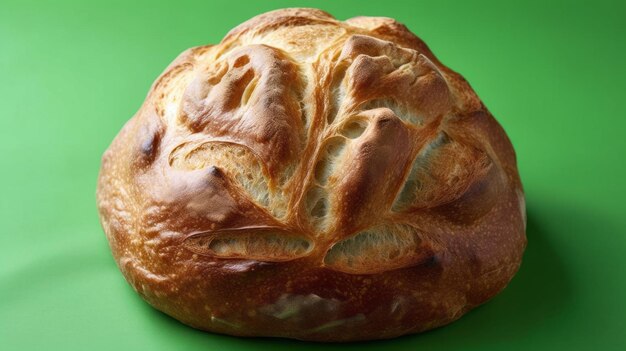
x: 313, y: 179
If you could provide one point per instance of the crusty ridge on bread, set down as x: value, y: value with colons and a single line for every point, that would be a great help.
x: 333, y: 149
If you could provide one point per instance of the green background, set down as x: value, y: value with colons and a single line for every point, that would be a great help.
x: 71, y: 73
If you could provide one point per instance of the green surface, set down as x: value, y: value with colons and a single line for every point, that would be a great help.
x: 71, y: 73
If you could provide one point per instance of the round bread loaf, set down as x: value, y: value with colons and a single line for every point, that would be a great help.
x: 314, y: 179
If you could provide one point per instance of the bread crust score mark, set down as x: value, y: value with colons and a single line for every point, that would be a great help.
x: 313, y: 179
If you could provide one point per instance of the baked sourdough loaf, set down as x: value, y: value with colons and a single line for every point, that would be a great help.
x: 313, y: 179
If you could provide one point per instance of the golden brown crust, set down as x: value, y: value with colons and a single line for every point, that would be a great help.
x: 313, y: 179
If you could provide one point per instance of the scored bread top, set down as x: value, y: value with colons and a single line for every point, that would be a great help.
x: 346, y: 144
